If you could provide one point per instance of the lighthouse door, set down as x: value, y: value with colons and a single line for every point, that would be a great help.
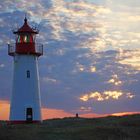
x: 29, y: 114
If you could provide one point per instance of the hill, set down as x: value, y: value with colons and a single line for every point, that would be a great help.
x: 107, y: 128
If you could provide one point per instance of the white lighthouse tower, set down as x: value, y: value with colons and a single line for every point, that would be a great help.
x: 25, y: 101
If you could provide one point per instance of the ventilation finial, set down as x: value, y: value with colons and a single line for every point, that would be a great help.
x: 25, y: 19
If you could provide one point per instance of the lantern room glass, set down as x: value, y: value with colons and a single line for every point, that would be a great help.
x: 26, y: 38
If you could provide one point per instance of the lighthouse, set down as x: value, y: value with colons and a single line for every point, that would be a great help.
x: 25, y: 101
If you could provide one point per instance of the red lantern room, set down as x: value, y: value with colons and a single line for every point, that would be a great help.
x: 25, y: 41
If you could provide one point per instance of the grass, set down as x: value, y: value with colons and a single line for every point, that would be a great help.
x: 107, y: 128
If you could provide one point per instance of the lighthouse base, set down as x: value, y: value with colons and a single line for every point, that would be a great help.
x: 24, y: 122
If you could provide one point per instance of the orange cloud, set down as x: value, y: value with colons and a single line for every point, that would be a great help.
x: 124, y: 113
x: 93, y: 115
x: 4, y: 110
x: 115, y: 80
x: 106, y: 95
x: 47, y: 113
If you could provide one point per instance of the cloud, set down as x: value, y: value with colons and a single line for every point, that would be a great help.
x: 50, y: 113
x: 4, y: 110
x: 88, y: 48
x: 128, y: 3
x: 49, y: 80
x: 92, y: 115
x: 131, y: 58
x: 100, y: 26
x: 115, y: 80
x: 106, y: 95
x: 2, y: 65
x: 72, y: 82
x: 47, y: 113
x: 124, y: 113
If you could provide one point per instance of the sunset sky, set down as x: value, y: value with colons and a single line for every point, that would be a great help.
x: 91, y: 61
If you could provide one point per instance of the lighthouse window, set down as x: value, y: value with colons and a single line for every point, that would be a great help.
x: 18, y: 40
x: 25, y: 38
x: 28, y: 74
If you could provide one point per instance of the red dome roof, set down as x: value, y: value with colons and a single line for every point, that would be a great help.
x: 26, y: 28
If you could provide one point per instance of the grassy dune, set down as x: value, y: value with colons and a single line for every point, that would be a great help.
x: 108, y: 128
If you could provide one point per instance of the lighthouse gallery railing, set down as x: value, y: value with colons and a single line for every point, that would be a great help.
x: 12, y: 49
